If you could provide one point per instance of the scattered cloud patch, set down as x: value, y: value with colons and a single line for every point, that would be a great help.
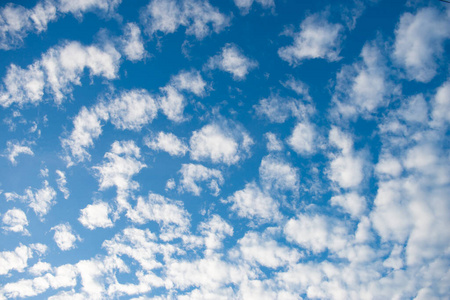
x: 64, y: 237
x: 193, y: 174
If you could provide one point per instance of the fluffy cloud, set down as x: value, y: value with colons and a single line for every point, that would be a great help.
x: 64, y: 236
x: 316, y: 233
x: 317, y: 39
x: 40, y: 200
x: 441, y: 105
x: 265, y: 251
x: 419, y: 40
x: 363, y: 87
x: 169, y: 214
x: 132, y: 110
x: 231, y: 60
x: 351, y: 203
x: 192, y: 175
x: 15, y: 148
x: 221, y: 143
x: 277, y: 176
x: 132, y: 43
x: 254, y: 204
x: 62, y: 182
x: 273, y: 143
x: 198, y: 16
x: 15, y: 260
x: 278, y: 109
x: 167, y: 142
x: 121, y: 164
x: 15, y: 220
x: 58, y: 70
x: 96, y: 215
x: 346, y: 168
x: 303, y: 138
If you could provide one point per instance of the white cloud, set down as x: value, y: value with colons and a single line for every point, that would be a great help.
x: 193, y: 174
x: 172, y: 103
x: 254, y: 204
x: 363, y: 87
x: 317, y: 39
x: 132, y: 110
x: 273, y: 143
x: 190, y: 81
x: 15, y: 260
x: 15, y: 220
x: 214, y: 230
x: 277, y: 176
x: 87, y: 127
x: 40, y: 200
x: 352, y: 203
x: 388, y: 165
x: 232, y: 60
x: 198, y: 16
x: 173, y: 219
x: 122, y: 163
x: 278, y: 109
x: 419, y: 42
x: 62, y: 183
x: 59, y: 69
x: 64, y: 236
x: 245, y: 5
x: 316, y: 233
x: 167, y: 142
x: 303, y: 138
x: 132, y: 43
x: 263, y: 250
x: 16, y: 21
x: 346, y: 168
x: 15, y: 148
x: 39, y: 268
x: 441, y: 105
x: 221, y: 143
x: 96, y: 215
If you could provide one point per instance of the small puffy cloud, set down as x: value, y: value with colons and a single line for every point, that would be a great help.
x: 214, y: 232
x: 193, y: 174
x: 96, y: 215
x: 87, y: 127
x: 14, y: 149
x: 55, y: 74
x: 316, y: 233
x: 190, y: 81
x: 419, y: 41
x: 132, y: 110
x: 173, y: 219
x: 39, y: 268
x: 245, y: 5
x: 441, y: 105
x: 132, y: 43
x: 254, y: 204
x: 221, y: 143
x: 77, y: 8
x: 15, y: 220
x: 232, y: 60
x: 277, y: 176
x: 273, y: 143
x: 363, y: 87
x: 317, y: 39
x: 278, y: 109
x: 120, y: 165
x: 388, y: 165
x: 303, y: 138
x: 40, y: 200
x: 263, y: 250
x: 15, y: 260
x: 198, y: 16
x: 346, y: 168
x: 62, y: 183
x: 167, y: 142
x: 352, y: 203
x: 64, y: 236
x: 17, y: 21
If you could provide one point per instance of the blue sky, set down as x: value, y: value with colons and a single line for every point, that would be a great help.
x: 246, y: 149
